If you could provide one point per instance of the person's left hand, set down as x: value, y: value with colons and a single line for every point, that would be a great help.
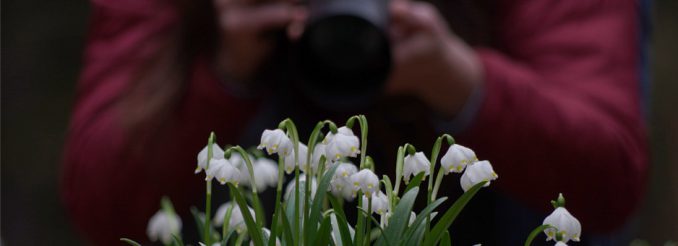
x: 430, y: 61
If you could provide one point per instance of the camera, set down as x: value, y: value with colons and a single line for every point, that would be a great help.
x: 344, y: 52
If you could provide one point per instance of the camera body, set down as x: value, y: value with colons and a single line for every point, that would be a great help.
x: 344, y: 52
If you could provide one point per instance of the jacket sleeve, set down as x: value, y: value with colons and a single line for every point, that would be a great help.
x: 109, y: 191
x: 561, y: 110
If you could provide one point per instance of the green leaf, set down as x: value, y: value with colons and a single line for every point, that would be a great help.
x: 536, y: 232
x: 446, y: 221
x: 130, y: 241
x: 400, y: 218
x: 341, y: 221
x: 177, y: 241
x: 411, y: 232
x: 199, y: 220
x: 310, y: 225
x: 287, y: 230
x: 415, y: 182
x: 252, y: 229
x: 446, y: 239
x: 227, y: 236
x: 322, y: 237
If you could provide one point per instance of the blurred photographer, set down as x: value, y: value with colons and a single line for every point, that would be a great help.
x: 549, y: 91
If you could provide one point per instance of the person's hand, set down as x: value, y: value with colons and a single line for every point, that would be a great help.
x: 430, y: 61
x: 244, y: 25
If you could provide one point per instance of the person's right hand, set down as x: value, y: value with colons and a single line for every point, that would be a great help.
x: 244, y: 45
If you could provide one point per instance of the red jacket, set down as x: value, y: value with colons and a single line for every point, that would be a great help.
x: 561, y: 113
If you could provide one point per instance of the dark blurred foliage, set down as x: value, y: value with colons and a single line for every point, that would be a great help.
x: 41, y: 50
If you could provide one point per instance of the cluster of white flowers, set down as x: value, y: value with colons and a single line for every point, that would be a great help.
x: 462, y: 159
x: 234, y: 169
x: 341, y: 185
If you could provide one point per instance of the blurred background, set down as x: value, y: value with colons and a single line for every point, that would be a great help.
x: 41, y: 50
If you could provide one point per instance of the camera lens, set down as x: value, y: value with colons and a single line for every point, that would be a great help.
x: 345, y: 56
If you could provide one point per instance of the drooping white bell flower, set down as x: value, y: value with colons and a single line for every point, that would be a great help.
x: 217, y: 153
x: 342, y: 144
x: 476, y: 173
x: 365, y: 181
x: 566, y: 225
x: 290, y: 164
x: 223, y: 171
x: 275, y: 141
x: 457, y: 158
x: 318, y: 151
x: 415, y: 164
x: 341, y: 185
x: 236, y: 221
x: 289, y: 190
x: 162, y: 226
x: 265, y: 171
x: 215, y: 165
x: 380, y: 204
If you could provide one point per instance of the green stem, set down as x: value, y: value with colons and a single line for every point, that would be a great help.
x: 208, y: 191
x: 362, y: 120
x: 296, y: 206
x: 208, y: 207
x: 536, y: 232
x: 294, y: 135
x: 439, y: 180
x: 369, y: 222
x: 399, y: 170
x: 255, y: 193
x: 278, y: 197
x: 227, y: 219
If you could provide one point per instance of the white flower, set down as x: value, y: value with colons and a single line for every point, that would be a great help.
x: 275, y: 141
x: 162, y: 226
x: 265, y: 171
x: 415, y: 164
x: 457, y: 158
x: 223, y: 171
x: 380, y: 204
x: 340, y: 185
x: 236, y: 221
x: 217, y: 153
x: 365, y: 181
x: 290, y: 164
x: 342, y: 144
x: 218, y: 219
x: 289, y: 190
x: 476, y: 173
x: 565, y: 224
x: 560, y: 244
x: 318, y: 151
